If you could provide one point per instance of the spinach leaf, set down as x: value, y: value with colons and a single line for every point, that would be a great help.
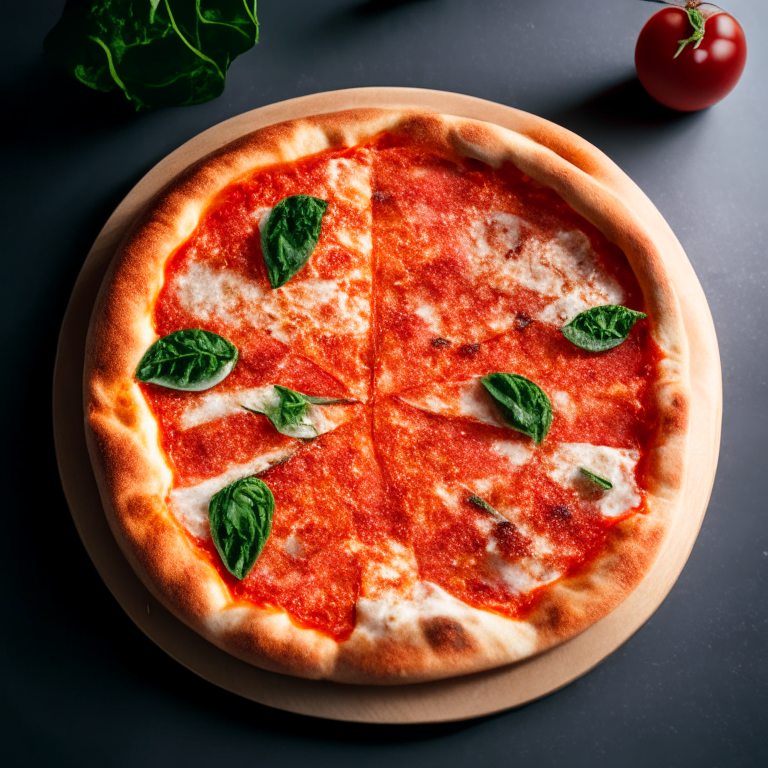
x: 606, y: 485
x: 290, y: 235
x: 159, y: 53
x: 290, y: 412
x: 523, y: 404
x: 601, y: 328
x: 241, y: 519
x: 191, y: 360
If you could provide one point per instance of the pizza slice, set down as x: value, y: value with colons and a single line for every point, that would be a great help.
x: 498, y: 517
x: 466, y: 254
x: 218, y: 280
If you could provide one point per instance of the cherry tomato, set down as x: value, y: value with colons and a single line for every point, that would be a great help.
x: 704, y: 71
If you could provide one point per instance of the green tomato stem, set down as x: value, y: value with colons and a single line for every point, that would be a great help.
x: 697, y: 22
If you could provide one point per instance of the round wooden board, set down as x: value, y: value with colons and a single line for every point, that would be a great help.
x: 453, y: 699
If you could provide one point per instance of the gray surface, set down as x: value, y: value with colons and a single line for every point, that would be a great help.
x: 82, y: 686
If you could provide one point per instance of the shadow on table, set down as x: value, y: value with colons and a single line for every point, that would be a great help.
x: 45, y: 102
x: 625, y: 104
x: 379, y: 7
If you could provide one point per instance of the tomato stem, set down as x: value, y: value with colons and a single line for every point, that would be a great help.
x: 697, y: 22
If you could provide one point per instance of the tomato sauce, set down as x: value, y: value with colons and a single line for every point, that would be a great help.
x: 373, y: 479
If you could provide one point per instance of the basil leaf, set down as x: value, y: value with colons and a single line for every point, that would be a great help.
x: 523, y: 404
x: 241, y: 519
x: 485, y: 506
x: 606, y: 485
x: 327, y: 400
x: 191, y: 360
x: 290, y: 412
x: 290, y: 235
x: 601, y: 328
x: 159, y: 53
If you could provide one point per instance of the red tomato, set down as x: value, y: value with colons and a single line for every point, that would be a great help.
x: 698, y: 77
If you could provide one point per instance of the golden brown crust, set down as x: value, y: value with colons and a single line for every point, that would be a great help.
x: 442, y: 637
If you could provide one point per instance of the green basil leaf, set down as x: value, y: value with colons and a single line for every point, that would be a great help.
x: 601, y: 328
x: 290, y: 235
x: 159, y: 53
x: 606, y: 485
x: 289, y: 411
x: 523, y: 404
x: 191, y: 360
x: 485, y: 506
x: 327, y: 400
x: 241, y: 519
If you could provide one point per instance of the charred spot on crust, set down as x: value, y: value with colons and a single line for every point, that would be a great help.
x: 444, y: 634
x: 439, y: 343
x: 469, y: 350
x: 522, y: 321
x: 381, y: 197
x: 551, y: 618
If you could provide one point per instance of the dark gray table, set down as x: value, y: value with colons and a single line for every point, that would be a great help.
x: 82, y: 686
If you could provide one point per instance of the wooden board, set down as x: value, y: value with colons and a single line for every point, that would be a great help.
x: 453, y: 699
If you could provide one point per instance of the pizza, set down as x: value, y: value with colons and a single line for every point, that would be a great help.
x: 387, y: 396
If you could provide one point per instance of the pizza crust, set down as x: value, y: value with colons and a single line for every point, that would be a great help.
x: 431, y: 634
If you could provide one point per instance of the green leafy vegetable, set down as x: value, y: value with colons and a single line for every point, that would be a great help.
x: 241, y: 519
x: 485, y: 506
x: 601, y: 328
x: 160, y: 53
x: 290, y: 412
x: 523, y: 404
x: 606, y: 485
x: 290, y: 235
x: 192, y: 360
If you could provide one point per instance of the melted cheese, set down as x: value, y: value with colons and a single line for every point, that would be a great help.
x: 190, y: 504
x: 210, y: 292
x: 562, y: 268
x: 522, y: 576
x: 403, y: 616
x: 614, y: 464
x: 219, y: 405
x: 468, y: 399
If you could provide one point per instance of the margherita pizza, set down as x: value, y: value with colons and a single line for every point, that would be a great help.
x: 388, y: 396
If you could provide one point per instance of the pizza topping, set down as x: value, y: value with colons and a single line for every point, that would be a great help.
x: 289, y: 235
x: 561, y: 267
x: 189, y: 504
x: 613, y: 465
x: 484, y: 505
x: 601, y: 482
x: 524, y: 405
x: 190, y: 360
x: 439, y: 343
x: 463, y: 399
x: 292, y: 413
x: 241, y: 519
x: 522, y: 576
x: 522, y: 321
x: 469, y: 350
x: 601, y: 328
